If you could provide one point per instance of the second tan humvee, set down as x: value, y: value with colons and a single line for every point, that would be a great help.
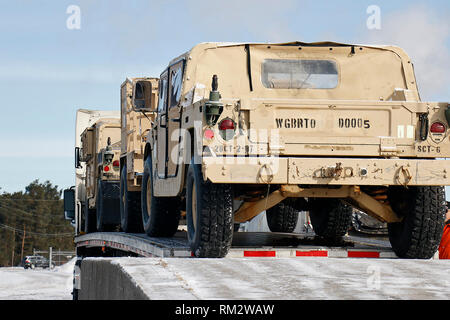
x: 138, y: 98
x: 323, y: 127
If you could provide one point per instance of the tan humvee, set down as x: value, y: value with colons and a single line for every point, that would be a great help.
x: 243, y: 128
x: 100, y: 154
x: 138, y: 98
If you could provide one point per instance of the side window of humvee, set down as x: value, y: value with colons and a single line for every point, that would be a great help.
x: 176, y: 81
x: 162, y: 98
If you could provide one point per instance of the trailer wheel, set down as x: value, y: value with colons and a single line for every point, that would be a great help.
x: 330, y: 218
x: 209, y: 215
x: 283, y: 217
x: 423, y: 210
x: 130, y: 206
x: 160, y: 215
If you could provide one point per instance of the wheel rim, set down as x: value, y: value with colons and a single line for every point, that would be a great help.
x: 194, y: 207
x: 149, y: 199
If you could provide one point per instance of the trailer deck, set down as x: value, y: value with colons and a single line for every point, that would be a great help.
x: 245, y: 244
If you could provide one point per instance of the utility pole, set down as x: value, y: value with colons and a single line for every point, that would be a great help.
x: 13, y: 247
x: 23, y: 242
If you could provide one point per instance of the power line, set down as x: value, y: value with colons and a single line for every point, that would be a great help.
x: 18, y: 199
x: 28, y: 213
x: 32, y: 219
x: 4, y: 206
x: 4, y: 226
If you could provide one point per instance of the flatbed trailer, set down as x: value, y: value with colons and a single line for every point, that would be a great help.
x: 245, y: 244
x: 101, y: 275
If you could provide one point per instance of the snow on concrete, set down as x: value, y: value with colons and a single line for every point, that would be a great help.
x: 16, y: 283
x: 289, y: 278
x: 250, y: 278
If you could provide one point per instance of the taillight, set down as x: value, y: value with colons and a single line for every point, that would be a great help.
x: 438, y: 127
x: 226, y: 124
x: 116, y: 164
x: 208, y: 134
x: 106, y: 168
x: 227, y: 127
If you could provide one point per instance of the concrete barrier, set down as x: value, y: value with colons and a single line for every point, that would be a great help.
x: 105, y: 279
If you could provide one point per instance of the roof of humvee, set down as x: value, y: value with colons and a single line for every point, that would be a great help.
x: 206, y: 45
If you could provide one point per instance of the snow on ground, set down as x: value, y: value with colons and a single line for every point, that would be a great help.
x: 16, y: 283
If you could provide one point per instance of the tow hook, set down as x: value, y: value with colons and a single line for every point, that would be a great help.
x: 330, y: 172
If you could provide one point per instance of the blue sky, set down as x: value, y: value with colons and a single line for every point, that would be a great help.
x: 47, y: 71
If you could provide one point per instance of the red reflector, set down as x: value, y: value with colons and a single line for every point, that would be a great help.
x: 106, y: 169
x: 437, y: 127
x: 363, y: 254
x: 312, y: 253
x: 226, y: 124
x: 259, y: 253
x: 116, y: 163
x: 209, y: 134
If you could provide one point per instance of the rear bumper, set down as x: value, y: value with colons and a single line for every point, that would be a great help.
x: 327, y: 171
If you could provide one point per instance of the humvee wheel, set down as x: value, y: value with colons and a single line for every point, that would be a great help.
x: 209, y: 215
x: 130, y: 206
x: 283, y: 217
x: 423, y: 210
x: 160, y: 215
x: 330, y: 218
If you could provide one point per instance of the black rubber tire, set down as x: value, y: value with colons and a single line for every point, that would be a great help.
x: 130, y: 207
x: 330, y: 218
x: 75, y: 294
x: 90, y: 223
x: 107, y: 206
x: 163, y: 216
x: 211, y: 233
x: 283, y: 217
x: 99, y: 206
x: 423, y: 210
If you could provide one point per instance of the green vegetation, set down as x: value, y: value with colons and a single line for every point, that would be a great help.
x: 33, y: 219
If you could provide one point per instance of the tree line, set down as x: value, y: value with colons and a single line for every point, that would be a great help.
x: 33, y: 219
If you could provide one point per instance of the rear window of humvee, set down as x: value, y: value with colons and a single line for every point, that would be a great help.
x: 299, y: 74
